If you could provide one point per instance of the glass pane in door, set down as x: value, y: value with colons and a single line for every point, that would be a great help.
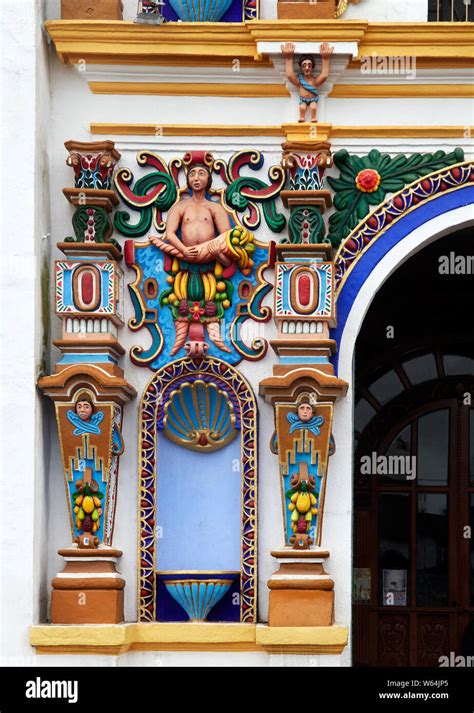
x: 394, y: 549
x: 386, y: 387
x: 432, y: 579
x: 433, y: 448
x: 421, y: 368
x: 399, y: 457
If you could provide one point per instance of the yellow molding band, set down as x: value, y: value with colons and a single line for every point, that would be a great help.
x: 429, y: 63
x: 190, y: 89
x: 184, y: 130
x: 116, y: 42
x: 137, y: 633
x: 399, y: 132
x: 118, y: 638
x: 407, y: 90
x: 188, y: 61
x: 336, y: 132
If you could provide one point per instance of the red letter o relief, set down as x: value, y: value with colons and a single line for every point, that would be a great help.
x: 304, y: 290
x: 86, y: 288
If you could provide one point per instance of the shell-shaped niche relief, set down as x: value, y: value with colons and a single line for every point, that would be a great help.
x: 200, y: 416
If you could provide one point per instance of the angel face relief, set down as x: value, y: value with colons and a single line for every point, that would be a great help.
x: 85, y: 418
x: 304, y: 433
x: 84, y: 410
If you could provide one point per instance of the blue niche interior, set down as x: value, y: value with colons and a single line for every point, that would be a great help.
x: 198, y: 523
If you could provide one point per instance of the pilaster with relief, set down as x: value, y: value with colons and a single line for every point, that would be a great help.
x: 89, y: 391
x: 303, y: 390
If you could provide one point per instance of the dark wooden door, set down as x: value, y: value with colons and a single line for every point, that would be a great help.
x: 413, y: 554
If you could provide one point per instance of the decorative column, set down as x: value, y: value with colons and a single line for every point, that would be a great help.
x: 303, y: 390
x: 89, y: 391
x: 306, y: 162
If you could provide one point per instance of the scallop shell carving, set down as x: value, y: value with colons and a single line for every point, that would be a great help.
x: 200, y: 416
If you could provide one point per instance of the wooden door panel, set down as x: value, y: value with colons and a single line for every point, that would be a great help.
x: 393, y: 636
x: 433, y: 638
x: 431, y: 626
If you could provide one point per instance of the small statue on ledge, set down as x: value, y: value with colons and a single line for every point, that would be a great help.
x: 306, y: 82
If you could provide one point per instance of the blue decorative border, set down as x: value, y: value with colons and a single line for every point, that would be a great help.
x: 365, y: 257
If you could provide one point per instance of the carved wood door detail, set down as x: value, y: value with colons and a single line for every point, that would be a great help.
x: 412, y: 551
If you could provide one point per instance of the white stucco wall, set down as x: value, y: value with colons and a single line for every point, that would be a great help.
x: 25, y: 227
x: 388, y: 11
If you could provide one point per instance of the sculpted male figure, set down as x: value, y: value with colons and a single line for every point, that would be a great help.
x: 306, y: 82
x: 199, y: 219
x: 206, y: 249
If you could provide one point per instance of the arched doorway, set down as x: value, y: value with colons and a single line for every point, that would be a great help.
x: 414, y: 463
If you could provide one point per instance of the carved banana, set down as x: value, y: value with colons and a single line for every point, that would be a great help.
x: 205, y: 283
x: 184, y: 285
x: 212, y: 286
x: 177, y: 286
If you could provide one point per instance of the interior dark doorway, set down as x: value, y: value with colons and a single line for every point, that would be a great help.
x: 413, y: 596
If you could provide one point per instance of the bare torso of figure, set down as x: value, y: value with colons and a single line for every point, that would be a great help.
x: 197, y: 222
x: 304, y: 92
x: 196, y: 229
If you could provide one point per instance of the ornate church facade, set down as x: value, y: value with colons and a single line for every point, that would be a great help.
x: 240, y: 246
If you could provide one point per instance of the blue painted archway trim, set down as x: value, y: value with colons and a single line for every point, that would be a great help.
x: 393, y: 235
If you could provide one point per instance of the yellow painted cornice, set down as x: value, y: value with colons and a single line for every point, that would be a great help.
x: 126, y: 42
x: 115, y: 42
x: 331, y: 132
x: 191, y: 89
x: 117, y: 639
x: 419, y: 39
x: 307, y: 30
x: 406, y: 90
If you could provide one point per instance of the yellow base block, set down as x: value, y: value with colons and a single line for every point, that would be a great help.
x: 303, y: 639
x: 120, y: 638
